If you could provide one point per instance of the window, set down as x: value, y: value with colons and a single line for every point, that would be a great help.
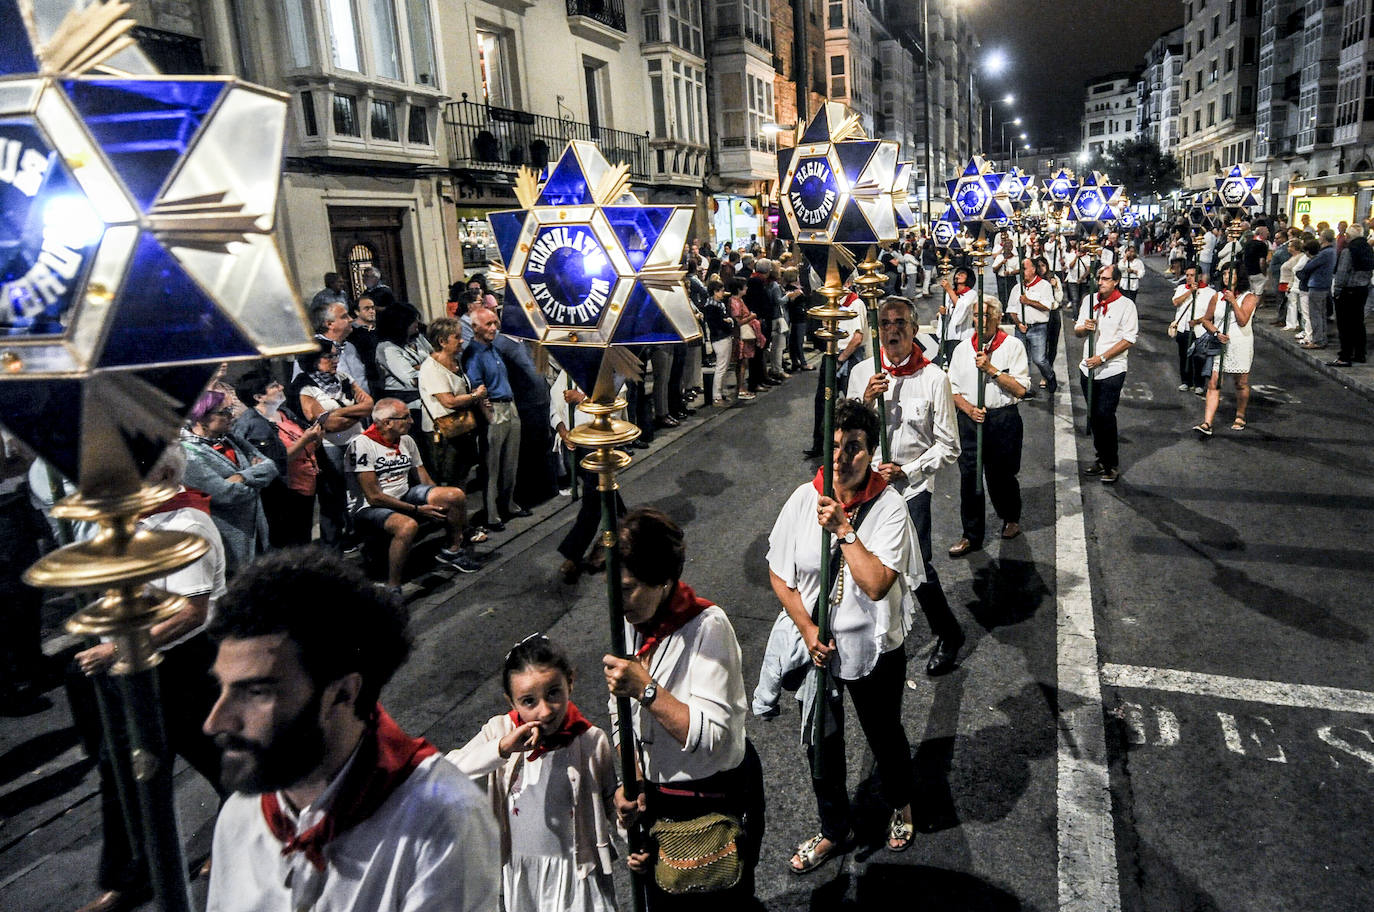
x: 495, y: 60
x: 1216, y: 26
x: 1212, y: 72
x: 660, y: 111
x: 420, y: 26
x: 1230, y: 59
x: 835, y: 19
x: 383, y: 118
x: 312, y: 126
x: 1247, y: 52
x: 346, y: 115
x: 297, y: 32
x: 594, y: 79
x: 417, y: 130
x: 1226, y: 106
x: 1197, y: 121
x: 1096, y: 128
x: 1231, y: 13
x: 1211, y: 113
x: 380, y: 16
x: 1247, y: 101
x: 343, y: 36
x: 837, y: 83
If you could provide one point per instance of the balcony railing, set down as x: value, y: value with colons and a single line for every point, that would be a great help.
x: 482, y: 136
x: 607, y: 12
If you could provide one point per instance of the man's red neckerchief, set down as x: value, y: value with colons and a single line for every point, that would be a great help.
x: 386, y: 758
x: 372, y: 433
x: 997, y: 339
x: 1103, y: 302
x: 914, y: 363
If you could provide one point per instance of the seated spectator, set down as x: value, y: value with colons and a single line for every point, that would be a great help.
x: 233, y: 473
x: 290, y: 442
x: 382, y: 498
x: 325, y: 395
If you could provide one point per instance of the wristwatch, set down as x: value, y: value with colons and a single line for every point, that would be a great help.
x: 849, y: 538
x: 649, y: 695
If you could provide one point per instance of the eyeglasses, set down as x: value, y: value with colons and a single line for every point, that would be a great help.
x: 403, y: 419
x: 896, y: 324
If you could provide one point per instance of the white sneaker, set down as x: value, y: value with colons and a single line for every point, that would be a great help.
x: 1183, y: 387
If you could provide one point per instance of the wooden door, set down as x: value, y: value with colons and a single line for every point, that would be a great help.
x: 364, y: 237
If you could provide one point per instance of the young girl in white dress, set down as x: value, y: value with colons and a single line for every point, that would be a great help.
x: 551, y: 778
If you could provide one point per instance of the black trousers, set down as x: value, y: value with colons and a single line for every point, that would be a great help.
x: 290, y: 515
x: 1004, y: 286
x: 736, y: 793
x: 1056, y: 325
x: 877, y: 699
x: 186, y: 695
x: 335, y: 524
x: 1350, y: 323
x: 1102, y: 419
x: 1002, y: 437
x: 930, y: 595
x: 588, y: 521
x: 1189, y: 370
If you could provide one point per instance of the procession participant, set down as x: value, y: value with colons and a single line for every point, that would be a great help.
x: 1056, y: 321
x: 689, y: 716
x: 1004, y: 266
x: 1055, y: 251
x: 1003, y: 359
x: 1132, y: 272
x: 545, y: 758
x: 1229, y: 316
x: 1111, y: 317
x: 960, y: 296
x: 1075, y: 270
x: 1031, y: 305
x: 1192, y: 300
x: 877, y: 568
x: 334, y: 806
x: 924, y: 439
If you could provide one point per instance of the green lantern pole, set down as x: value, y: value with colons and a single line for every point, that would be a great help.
x: 602, y: 435
x: 980, y: 259
x: 946, y: 267
x: 1094, y: 249
x: 870, y: 282
x: 829, y: 315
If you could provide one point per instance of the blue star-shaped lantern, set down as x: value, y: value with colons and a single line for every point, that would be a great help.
x: 136, y: 241
x: 836, y: 189
x: 1236, y: 190
x: 1060, y: 188
x: 901, y: 200
x: 1093, y: 199
x: 944, y: 231
x: 587, y: 266
x: 1017, y: 184
x: 979, y: 193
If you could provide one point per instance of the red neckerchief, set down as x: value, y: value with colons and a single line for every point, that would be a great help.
x: 1033, y: 282
x: 226, y: 449
x: 574, y: 724
x: 853, y: 296
x: 189, y: 497
x: 914, y: 363
x: 1103, y: 302
x: 871, y: 489
x: 385, y: 759
x: 373, y: 434
x: 683, y: 605
x: 997, y: 339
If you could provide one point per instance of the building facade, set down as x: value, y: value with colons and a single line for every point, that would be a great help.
x: 1109, y: 111
x: 1220, y: 78
x: 1159, y: 91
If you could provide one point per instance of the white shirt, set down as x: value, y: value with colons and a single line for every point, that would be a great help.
x: 1189, y: 310
x: 329, y: 404
x: 1040, y: 291
x: 1005, y: 264
x: 1119, y: 322
x: 1054, y: 253
x: 920, y: 421
x: 205, y: 575
x: 434, y: 378
x: 1076, y: 267
x: 1010, y: 358
x: 432, y: 845
x: 700, y: 665
x: 862, y: 629
x: 961, y: 314
x: 1209, y: 245
x: 393, y: 467
x: 1132, y: 271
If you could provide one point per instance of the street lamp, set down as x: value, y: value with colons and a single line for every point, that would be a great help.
x: 1005, y: 144
x: 1008, y: 100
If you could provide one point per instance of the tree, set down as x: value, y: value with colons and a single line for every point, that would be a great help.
x: 1142, y: 168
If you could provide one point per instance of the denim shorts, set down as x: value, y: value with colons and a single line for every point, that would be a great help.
x: 376, y: 517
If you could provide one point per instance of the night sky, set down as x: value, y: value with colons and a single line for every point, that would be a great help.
x: 1053, y: 46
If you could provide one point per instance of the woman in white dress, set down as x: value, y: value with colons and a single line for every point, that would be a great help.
x: 550, y: 775
x: 1229, y: 317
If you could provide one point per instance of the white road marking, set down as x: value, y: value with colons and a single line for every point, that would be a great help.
x: 1259, y: 732
x: 1245, y: 690
x: 1088, y: 879
x: 1327, y: 733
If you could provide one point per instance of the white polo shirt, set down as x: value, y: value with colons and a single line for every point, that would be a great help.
x: 920, y: 420
x: 1038, y: 290
x: 1009, y: 357
x: 961, y: 315
x: 1120, y: 321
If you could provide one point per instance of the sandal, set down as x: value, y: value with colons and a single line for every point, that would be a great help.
x: 900, y: 832
x: 1238, y: 424
x: 1204, y: 429
x: 477, y: 535
x: 811, y: 858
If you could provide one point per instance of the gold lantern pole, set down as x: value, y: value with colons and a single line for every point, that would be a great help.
x: 120, y: 560
x: 871, y: 282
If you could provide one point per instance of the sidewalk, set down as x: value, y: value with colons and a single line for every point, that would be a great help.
x: 1357, y: 377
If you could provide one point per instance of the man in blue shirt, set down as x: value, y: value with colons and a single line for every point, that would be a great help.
x: 502, y: 455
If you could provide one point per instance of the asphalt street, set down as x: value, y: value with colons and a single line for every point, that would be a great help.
x: 1175, y: 666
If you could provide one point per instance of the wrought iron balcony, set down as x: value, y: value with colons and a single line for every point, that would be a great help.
x: 607, y: 12
x: 483, y: 137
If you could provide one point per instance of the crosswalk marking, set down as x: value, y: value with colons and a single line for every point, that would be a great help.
x: 1247, y: 690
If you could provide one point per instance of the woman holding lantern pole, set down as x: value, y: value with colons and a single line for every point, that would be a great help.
x: 877, y: 568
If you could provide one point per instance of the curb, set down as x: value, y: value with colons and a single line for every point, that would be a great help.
x: 1358, y: 379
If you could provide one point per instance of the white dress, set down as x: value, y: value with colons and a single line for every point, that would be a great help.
x: 542, y: 875
x: 1239, y: 353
